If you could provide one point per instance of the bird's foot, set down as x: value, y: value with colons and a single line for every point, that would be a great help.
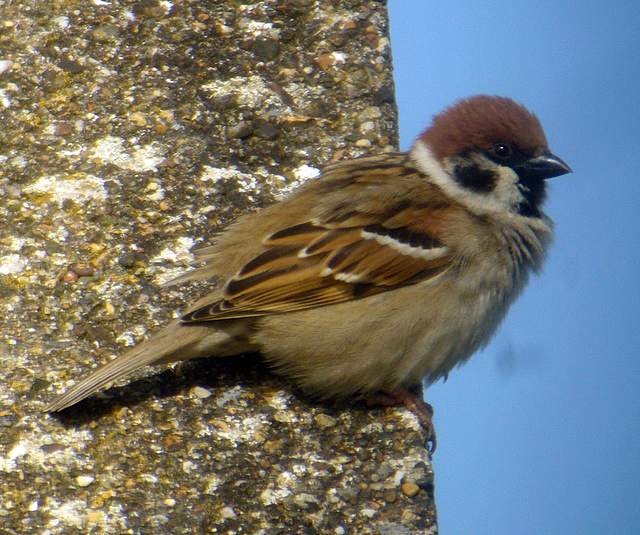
x: 412, y: 401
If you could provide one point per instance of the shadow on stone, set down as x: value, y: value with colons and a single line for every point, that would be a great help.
x: 215, y: 375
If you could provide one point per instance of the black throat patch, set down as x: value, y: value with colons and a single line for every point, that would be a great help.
x: 534, y: 191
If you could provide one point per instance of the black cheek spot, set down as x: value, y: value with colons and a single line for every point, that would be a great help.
x: 475, y: 178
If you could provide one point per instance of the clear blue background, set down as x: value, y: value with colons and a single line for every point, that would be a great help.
x: 540, y: 433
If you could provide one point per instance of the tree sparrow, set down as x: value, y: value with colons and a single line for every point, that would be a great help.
x: 384, y: 271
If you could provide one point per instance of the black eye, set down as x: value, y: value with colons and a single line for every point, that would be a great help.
x: 502, y: 150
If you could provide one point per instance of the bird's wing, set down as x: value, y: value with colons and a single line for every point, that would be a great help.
x: 344, y: 256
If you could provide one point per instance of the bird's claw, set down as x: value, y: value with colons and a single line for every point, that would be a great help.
x: 414, y: 402
x: 424, y: 413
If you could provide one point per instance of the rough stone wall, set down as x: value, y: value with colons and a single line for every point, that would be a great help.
x: 129, y: 133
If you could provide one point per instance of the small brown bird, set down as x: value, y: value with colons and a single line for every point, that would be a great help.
x: 384, y: 271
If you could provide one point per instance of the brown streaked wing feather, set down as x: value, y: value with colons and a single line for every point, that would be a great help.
x: 368, y: 240
x: 313, y: 293
x: 343, y: 266
x: 330, y: 241
x: 295, y: 235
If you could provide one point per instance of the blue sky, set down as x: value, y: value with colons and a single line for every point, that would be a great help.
x: 540, y: 433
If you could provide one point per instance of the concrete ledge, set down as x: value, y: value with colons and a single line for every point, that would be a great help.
x: 132, y: 131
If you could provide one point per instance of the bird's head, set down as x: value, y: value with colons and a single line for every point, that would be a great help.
x: 491, y: 154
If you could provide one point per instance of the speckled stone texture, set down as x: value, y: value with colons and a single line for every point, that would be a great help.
x: 131, y: 132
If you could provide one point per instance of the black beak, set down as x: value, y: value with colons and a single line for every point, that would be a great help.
x: 546, y: 165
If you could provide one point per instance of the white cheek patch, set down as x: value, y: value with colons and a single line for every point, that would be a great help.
x: 505, y: 195
x: 507, y: 189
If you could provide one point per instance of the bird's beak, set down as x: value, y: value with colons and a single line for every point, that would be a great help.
x: 547, y: 165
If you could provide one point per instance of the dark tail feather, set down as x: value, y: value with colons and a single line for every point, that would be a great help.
x: 174, y: 342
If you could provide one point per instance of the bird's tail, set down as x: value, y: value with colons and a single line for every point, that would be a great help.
x: 174, y: 342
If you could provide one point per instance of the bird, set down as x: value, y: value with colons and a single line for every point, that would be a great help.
x: 383, y: 273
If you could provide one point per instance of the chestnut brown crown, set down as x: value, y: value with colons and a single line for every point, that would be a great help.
x: 480, y: 121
